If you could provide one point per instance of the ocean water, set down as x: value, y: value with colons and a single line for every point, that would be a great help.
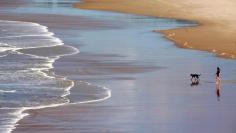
x: 29, y: 50
x: 27, y: 53
x: 24, y: 83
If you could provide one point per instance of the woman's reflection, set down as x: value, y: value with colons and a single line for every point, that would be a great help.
x: 218, y: 91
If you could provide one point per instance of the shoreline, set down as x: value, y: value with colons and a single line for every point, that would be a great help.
x: 126, y: 110
x: 22, y: 112
x: 212, y: 30
x: 25, y: 112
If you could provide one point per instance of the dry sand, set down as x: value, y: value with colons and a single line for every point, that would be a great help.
x: 215, y: 33
x: 127, y: 110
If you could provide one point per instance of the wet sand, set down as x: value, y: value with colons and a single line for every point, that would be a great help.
x: 158, y: 99
x: 148, y: 76
x: 216, y: 30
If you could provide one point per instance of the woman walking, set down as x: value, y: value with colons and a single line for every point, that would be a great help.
x: 218, y: 75
x: 218, y: 83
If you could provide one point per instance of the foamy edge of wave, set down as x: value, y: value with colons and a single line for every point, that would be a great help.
x: 20, y: 111
x: 7, y: 91
x: 108, y: 91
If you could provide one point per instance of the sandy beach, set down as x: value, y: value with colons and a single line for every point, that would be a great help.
x: 215, y: 32
x: 146, y: 75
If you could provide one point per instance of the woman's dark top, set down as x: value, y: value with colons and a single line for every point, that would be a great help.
x: 218, y: 72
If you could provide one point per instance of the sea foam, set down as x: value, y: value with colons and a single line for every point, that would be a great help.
x: 24, y: 81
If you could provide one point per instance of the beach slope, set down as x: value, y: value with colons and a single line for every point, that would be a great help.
x: 215, y: 33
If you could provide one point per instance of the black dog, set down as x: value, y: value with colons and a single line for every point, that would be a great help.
x: 195, y: 76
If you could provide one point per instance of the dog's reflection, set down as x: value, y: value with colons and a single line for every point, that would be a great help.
x: 194, y: 83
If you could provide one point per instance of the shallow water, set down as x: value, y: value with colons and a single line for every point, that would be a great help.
x: 163, y: 92
x: 28, y: 51
x: 23, y: 84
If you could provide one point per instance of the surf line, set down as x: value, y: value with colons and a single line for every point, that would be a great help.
x: 21, y: 112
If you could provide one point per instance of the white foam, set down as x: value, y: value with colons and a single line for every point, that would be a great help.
x: 43, y: 32
x: 97, y: 100
x: 7, y: 91
x: 107, y: 90
x: 5, y: 47
x: 19, y: 114
x: 18, y: 36
x: 11, y: 124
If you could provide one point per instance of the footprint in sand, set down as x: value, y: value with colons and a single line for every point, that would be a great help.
x: 222, y: 54
x: 172, y: 34
x: 213, y: 50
